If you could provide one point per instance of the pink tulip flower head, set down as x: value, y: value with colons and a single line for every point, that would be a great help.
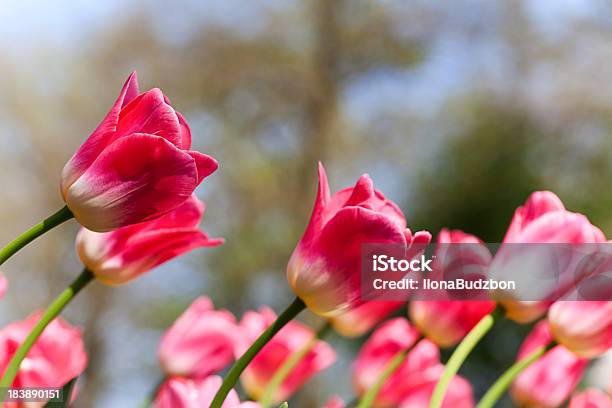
x: 542, y: 220
x: 591, y: 398
x: 57, y: 357
x: 122, y: 255
x: 288, y: 341
x: 180, y: 392
x: 412, y: 384
x: 446, y: 322
x: 584, y: 327
x: 136, y: 166
x: 200, y: 342
x: 551, y: 379
x: 324, y: 270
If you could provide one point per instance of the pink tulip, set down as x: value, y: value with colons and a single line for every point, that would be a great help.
x: 126, y: 253
x: 412, y: 384
x: 3, y: 285
x: 550, y: 380
x: 179, y: 392
x: 584, y: 327
x: 136, y: 166
x: 591, y: 398
x: 57, y: 357
x: 324, y: 270
x: 446, y: 322
x: 360, y: 319
x: 543, y: 219
x: 289, y: 340
x: 334, y: 402
x: 200, y: 342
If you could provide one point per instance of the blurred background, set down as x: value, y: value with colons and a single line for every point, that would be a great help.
x: 457, y: 109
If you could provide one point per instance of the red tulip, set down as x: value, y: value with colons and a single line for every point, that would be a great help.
x: 179, y: 392
x: 446, y: 322
x: 136, y: 166
x: 324, y: 270
x: 550, y: 380
x: 584, y: 327
x: 57, y: 357
x: 591, y: 398
x: 289, y: 340
x: 543, y: 219
x: 126, y: 253
x: 200, y: 342
x: 412, y: 384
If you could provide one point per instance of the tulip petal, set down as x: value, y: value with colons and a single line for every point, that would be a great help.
x: 100, y: 138
x: 136, y: 179
x: 205, y: 164
x: 185, y: 132
x: 149, y: 113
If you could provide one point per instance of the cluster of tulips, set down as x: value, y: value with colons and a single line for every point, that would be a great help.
x: 130, y: 185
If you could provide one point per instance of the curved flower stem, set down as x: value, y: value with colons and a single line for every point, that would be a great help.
x: 234, y: 373
x: 369, y: 397
x: 284, y: 370
x: 501, y: 385
x: 459, y: 356
x: 51, y: 313
x: 36, y: 231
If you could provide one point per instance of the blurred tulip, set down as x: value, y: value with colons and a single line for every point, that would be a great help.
x: 446, y: 322
x: 136, y: 166
x: 3, y: 285
x: 200, y: 342
x: 550, y: 380
x: 591, y: 398
x: 124, y: 254
x: 362, y: 318
x: 324, y: 270
x: 289, y: 340
x: 57, y: 357
x: 334, y: 402
x: 584, y: 327
x: 543, y: 219
x: 179, y: 392
x: 412, y: 384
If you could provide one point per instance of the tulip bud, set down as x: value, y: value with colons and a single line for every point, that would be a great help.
x: 200, y: 342
x: 57, y: 357
x: 292, y: 338
x: 550, y: 380
x: 324, y: 270
x: 136, y: 166
x: 179, y: 392
x: 543, y: 219
x: 124, y: 254
x: 584, y: 327
x: 446, y: 322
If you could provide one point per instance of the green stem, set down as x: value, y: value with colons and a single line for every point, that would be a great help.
x: 234, y: 373
x: 503, y: 382
x: 285, y: 369
x: 36, y: 231
x: 369, y: 397
x: 51, y: 313
x: 459, y: 356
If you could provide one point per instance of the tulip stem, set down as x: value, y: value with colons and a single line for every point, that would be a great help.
x: 459, y: 356
x: 285, y: 369
x: 36, y: 231
x: 501, y: 385
x: 49, y: 314
x: 234, y: 373
x: 368, y: 399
